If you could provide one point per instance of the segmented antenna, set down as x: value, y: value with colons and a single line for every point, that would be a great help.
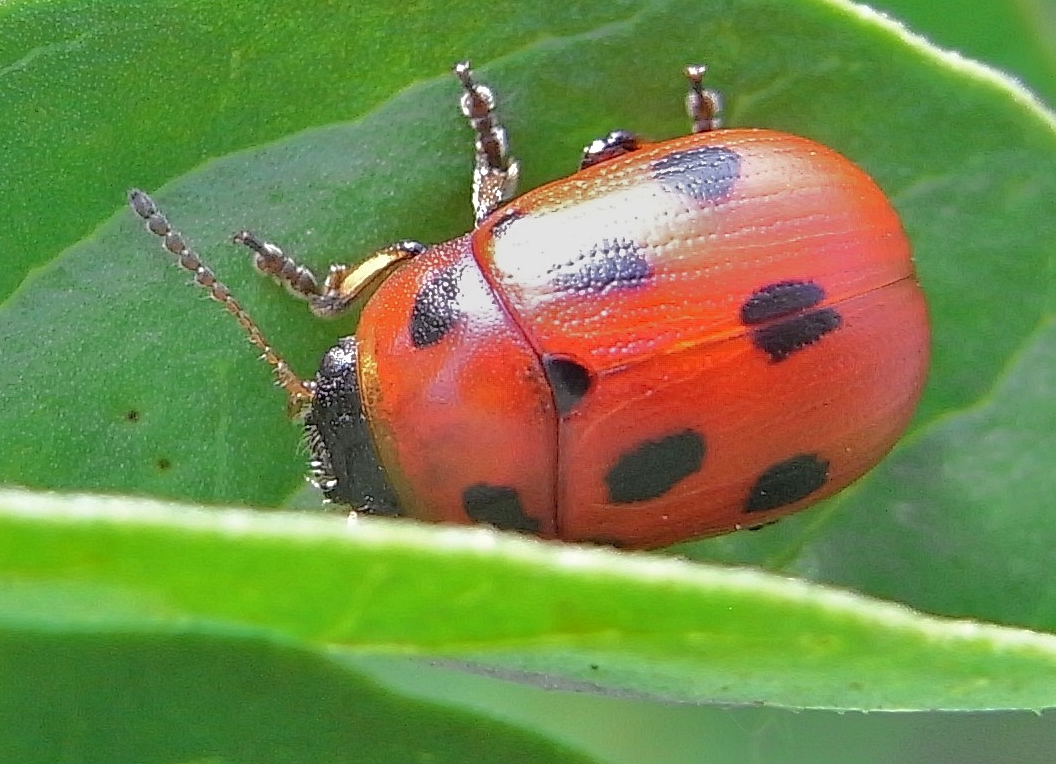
x: 300, y: 391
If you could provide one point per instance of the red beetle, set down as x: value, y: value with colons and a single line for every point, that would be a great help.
x: 681, y: 339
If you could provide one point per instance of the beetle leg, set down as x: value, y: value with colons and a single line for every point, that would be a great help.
x: 270, y: 260
x: 495, y: 172
x: 703, y: 106
x: 347, y: 283
x: 343, y: 285
x: 615, y: 144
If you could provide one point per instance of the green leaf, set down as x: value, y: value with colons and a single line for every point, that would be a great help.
x: 117, y: 378
x: 619, y: 621
x: 1016, y: 35
x: 198, y: 698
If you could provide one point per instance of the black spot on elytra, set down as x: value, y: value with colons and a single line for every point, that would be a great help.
x: 787, y: 482
x: 497, y: 505
x: 435, y: 308
x: 604, y: 541
x: 616, y: 263
x: 781, y: 339
x: 131, y: 415
x: 706, y: 173
x: 779, y: 300
x: 569, y: 380
x: 163, y: 464
x: 654, y: 467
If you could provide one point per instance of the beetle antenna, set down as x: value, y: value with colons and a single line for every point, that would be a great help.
x: 300, y: 391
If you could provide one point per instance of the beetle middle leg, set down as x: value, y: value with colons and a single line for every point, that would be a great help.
x: 495, y: 172
x: 703, y: 106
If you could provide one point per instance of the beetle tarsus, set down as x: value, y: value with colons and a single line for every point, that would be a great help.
x: 703, y: 106
x: 495, y: 172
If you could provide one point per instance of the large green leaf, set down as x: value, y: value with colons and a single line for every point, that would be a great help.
x: 116, y: 378
x: 1016, y: 35
x: 192, y: 697
x: 620, y: 622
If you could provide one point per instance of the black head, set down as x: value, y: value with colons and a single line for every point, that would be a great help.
x: 344, y: 459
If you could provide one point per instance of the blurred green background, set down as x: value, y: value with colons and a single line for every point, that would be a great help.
x: 1019, y: 38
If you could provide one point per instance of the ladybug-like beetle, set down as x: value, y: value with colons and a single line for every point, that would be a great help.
x: 680, y: 339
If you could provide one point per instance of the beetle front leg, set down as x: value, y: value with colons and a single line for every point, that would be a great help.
x: 495, y: 172
x: 343, y: 285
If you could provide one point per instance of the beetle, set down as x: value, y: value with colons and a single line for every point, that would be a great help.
x: 680, y: 339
